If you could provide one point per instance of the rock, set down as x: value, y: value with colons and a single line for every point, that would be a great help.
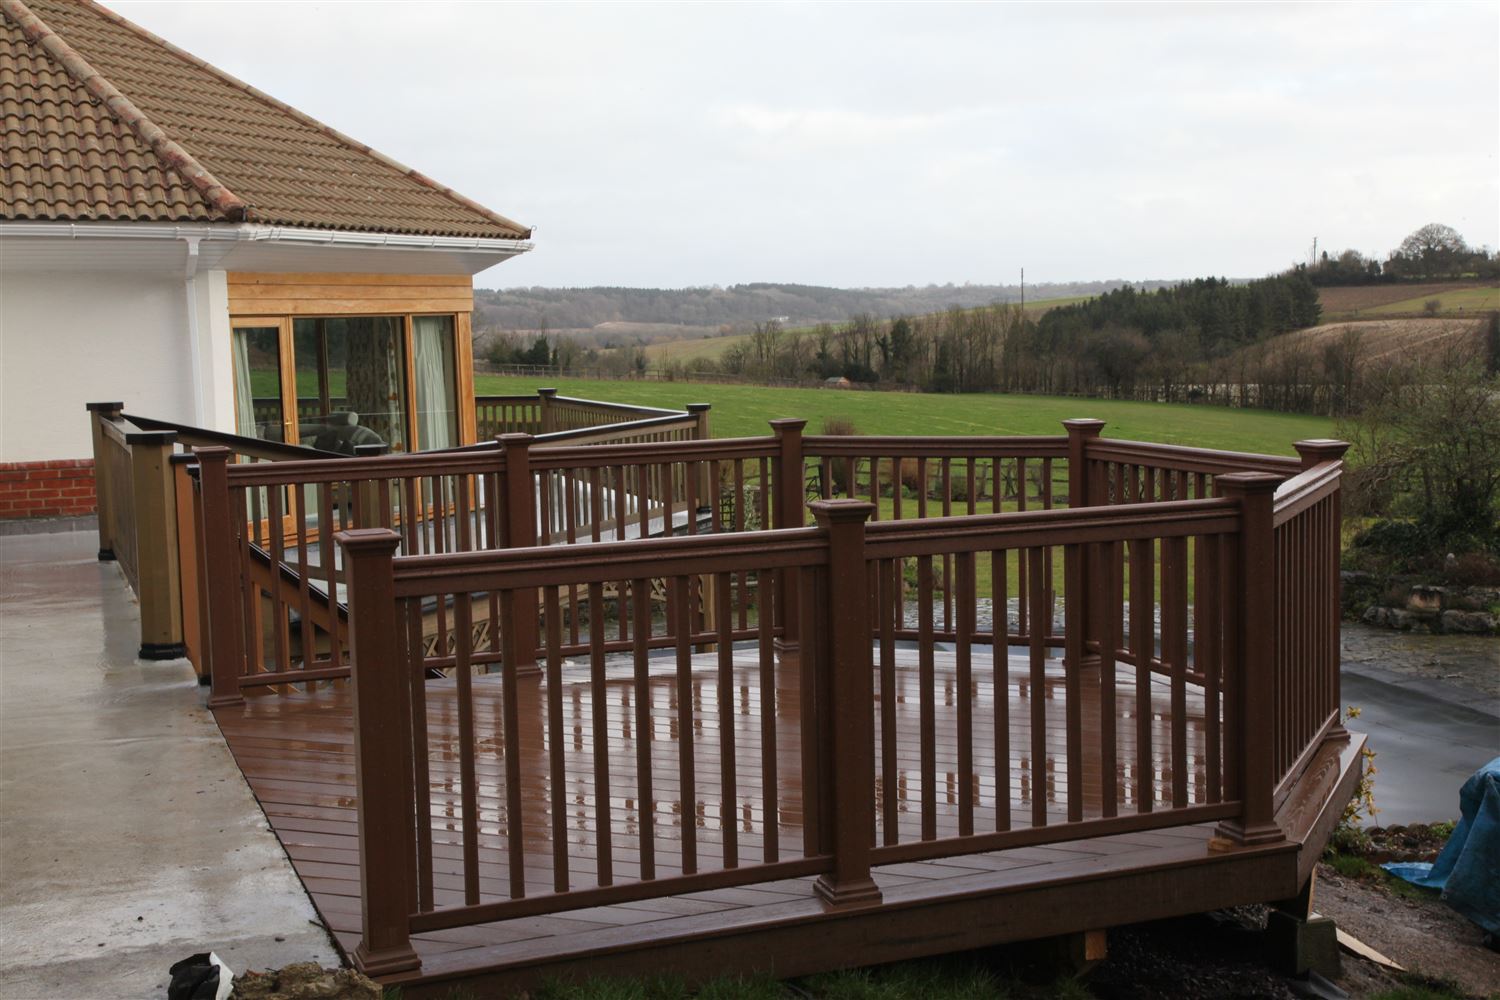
x: 1468, y: 622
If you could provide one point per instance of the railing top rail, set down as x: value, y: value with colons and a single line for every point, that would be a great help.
x: 548, y: 456
x: 1060, y: 526
x: 862, y: 446
x: 338, y: 468
x: 1305, y: 489
x: 253, y: 447
x: 478, y: 398
x: 668, y: 418
x: 603, y: 562
x: 599, y: 404
x: 1188, y: 459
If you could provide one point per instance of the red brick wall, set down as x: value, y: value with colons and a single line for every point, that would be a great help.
x: 60, y: 487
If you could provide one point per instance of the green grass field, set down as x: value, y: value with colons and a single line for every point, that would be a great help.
x: 1464, y: 301
x: 742, y: 411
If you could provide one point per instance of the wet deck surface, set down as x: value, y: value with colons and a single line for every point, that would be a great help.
x: 296, y: 750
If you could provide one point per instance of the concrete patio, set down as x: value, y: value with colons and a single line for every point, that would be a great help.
x: 128, y: 838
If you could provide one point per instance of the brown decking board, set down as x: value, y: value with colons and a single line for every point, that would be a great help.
x: 296, y: 751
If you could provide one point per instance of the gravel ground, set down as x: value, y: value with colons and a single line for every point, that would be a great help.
x: 1470, y: 662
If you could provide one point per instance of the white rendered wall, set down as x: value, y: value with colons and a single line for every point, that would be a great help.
x: 67, y: 339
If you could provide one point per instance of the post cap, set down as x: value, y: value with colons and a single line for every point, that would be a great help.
x: 371, y: 450
x: 699, y: 407
x: 784, y: 425
x: 549, y: 393
x: 212, y: 453
x: 1087, y: 426
x: 514, y: 439
x: 841, y: 511
x: 1248, y: 483
x: 104, y: 407
x: 367, y: 540
x: 1317, y: 450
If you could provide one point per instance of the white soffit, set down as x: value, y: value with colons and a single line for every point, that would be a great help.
x: 62, y: 246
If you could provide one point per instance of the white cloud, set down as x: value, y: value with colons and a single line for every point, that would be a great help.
x: 896, y: 144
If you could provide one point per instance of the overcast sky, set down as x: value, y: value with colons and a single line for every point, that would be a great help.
x: 861, y: 145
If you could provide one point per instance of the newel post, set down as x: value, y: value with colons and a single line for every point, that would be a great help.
x: 1316, y: 451
x: 1085, y: 489
x: 98, y: 414
x: 843, y: 637
x: 708, y: 490
x: 366, y: 491
x: 547, y: 420
x: 382, y: 752
x: 519, y: 532
x: 787, y: 511
x: 222, y: 582
x: 158, y: 571
x: 1251, y: 629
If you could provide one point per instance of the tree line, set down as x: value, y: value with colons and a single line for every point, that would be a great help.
x: 1434, y: 252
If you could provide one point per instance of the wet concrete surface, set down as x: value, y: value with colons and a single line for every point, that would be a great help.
x: 128, y: 838
x: 1425, y: 702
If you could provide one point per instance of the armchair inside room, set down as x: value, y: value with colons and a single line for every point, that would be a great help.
x: 338, y: 432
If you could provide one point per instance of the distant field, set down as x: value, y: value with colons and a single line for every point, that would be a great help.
x: 1347, y: 302
x: 1468, y: 300
x: 1382, y: 339
x: 713, y: 346
x: 742, y: 411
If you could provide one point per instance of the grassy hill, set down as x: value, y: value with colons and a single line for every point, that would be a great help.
x: 686, y: 350
x: 1454, y: 298
x: 742, y: 411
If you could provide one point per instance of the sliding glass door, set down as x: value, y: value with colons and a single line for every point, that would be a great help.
x: 351, y: 382
x: 435, y: 384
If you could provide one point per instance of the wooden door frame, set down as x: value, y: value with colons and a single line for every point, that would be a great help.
x: 286, y: 371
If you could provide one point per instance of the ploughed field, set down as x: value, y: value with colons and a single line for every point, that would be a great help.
x: 1346, y: 302
x: 743, y: 410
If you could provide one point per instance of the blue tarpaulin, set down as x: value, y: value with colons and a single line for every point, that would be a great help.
x: 1468, y: 869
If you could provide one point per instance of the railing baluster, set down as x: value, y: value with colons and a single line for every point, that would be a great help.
x: 1038, y: 691
x: 556, y: 747
x: 1073, y: 632
x: 416, y: 678
x: 888, y: 607
x: 640, y: 601
x: 926, y: 696
x: 1110, y: 571
x: 600, y: 735
x: 1142, y: 642
x: 963, y: 683
x: 469, y: 792
x: 770, y: 792
x: 1174, y: 653
x: 728, y: 791
x: 677, y: 595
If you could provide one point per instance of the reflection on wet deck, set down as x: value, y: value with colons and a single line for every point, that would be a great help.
x: 296, y: 751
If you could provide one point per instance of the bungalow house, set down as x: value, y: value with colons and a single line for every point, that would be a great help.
x: 175, y: 238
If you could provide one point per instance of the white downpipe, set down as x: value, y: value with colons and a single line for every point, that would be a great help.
x: 190, y: 286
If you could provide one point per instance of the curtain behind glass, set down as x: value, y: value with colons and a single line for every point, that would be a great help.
x: 432, y: 357
x: 244, y: 401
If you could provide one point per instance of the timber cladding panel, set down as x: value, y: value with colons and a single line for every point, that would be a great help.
x: 253, y: 294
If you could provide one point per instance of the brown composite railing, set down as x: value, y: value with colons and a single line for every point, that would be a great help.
x: 1212, y: 614
x: 1197, y: 589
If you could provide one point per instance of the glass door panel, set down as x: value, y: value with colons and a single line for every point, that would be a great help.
x: 435, y: 389
x: 258, y: 409
x: 351, y: 382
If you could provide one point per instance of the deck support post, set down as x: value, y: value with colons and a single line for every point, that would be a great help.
x: 98, y: 413
x: 520, y: 531
x: 382, y: 753
x: 1250, y: 634
x: 1085, y: 489
x: 843, y: 640
x: 367, y: 491
x: 708, y: 490
x: 221, y: 626
x: 158, y: 571
x: 787, y: 511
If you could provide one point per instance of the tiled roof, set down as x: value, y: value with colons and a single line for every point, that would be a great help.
x: 103, y: 121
